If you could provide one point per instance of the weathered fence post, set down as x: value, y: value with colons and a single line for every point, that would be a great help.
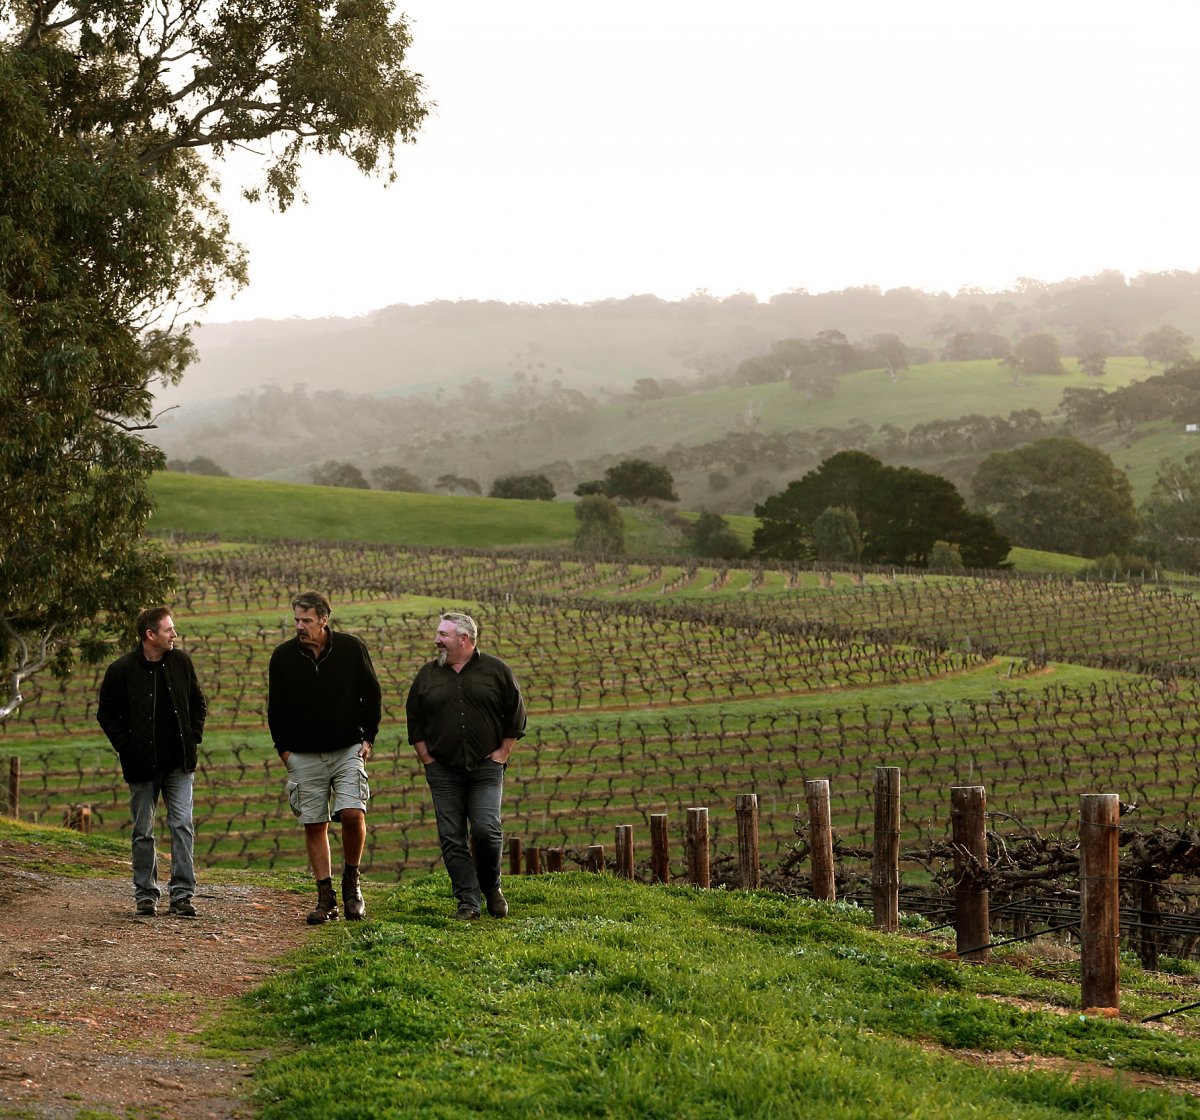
x: 972, y: 919
x: 885, y: 855
x: 1099, y: 930
x: 594, y: 858
x: 746, y: 808
x: 624, y: 844
x: 660, y: 858
x: 14, y: 787
x: 78, y: 817
x: 554, y: 859
x: 514, y: 855
x: 533, y: 861
x: 820, y: 839
x: 699, y: 874
x: 1149, y: 921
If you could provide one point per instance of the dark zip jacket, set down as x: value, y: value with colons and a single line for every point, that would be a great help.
x: 126, y: 710
x: 325, y: 703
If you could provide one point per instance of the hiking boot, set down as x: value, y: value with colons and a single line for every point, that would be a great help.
x: 352, y: 900
x: 466, y: 913
x: 327, y: 908
x: 147, y: 908
x: 183, y: 908
x: 497, y: 905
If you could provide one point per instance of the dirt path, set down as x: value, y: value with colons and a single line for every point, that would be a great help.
x: 100, y: 1009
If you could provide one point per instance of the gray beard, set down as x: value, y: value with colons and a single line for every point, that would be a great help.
x: 441, y: 657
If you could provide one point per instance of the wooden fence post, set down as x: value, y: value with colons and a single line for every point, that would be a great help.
x: 746, y: 808
x: 533, y: 861
x: 14, y: 787
x: 554, y: 859
x: 820, y: 839
x: 660, y: 858
x: 885, y: 856
x: 514, y: 855
x: 1100, y: 930
x: 624, y: 844
x: 594, y: 858
x: 972, y: 920
x: 78, y: 817
x: 699, y: 874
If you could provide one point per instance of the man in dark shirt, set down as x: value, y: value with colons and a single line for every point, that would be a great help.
x: 465, y: 715
x: 323, y: 709
x: 152, y: 710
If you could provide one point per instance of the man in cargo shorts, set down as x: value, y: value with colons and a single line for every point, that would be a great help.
x: 323, y: 709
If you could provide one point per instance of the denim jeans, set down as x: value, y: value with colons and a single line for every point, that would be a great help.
x: 463, y: 798
x: 176, y: 790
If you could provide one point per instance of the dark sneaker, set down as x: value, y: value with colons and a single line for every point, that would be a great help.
x: 183, y: 908
x: 466, y: 913
x: 497, y: 905
x: 147, y: 908
x: 327, y: 907
x: 353, y: 906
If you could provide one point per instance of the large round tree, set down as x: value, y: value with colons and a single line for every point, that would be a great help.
x: 112, y: 115
x: 1059, y: 495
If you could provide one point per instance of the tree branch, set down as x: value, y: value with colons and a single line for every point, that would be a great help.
x: 23, y: 668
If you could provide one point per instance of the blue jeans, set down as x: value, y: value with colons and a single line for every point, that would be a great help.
x: 176, y: 790
x: 463, y: 798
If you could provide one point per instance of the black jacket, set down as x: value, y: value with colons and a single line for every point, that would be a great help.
x: 326, y: 703
x: 126, y: 710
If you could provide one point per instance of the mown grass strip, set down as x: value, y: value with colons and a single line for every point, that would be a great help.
x: 601, y: 998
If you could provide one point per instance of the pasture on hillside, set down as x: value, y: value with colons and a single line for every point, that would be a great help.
x: 653, y: 688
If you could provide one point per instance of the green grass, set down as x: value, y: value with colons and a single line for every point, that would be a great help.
x: 604, y: 998
x: 241, y: 509
x: 244, y: 509
x: 937, y: 391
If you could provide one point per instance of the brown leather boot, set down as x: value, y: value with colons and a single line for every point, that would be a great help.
x: 352, y: 900
x: 327, y: 908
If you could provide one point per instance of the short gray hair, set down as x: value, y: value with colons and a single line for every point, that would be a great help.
x: 464, y: 624
x: 312, y: 601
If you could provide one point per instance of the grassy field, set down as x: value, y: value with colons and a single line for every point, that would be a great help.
x: 602, y: 997
x: 237, y: 509
x: 937, y: 391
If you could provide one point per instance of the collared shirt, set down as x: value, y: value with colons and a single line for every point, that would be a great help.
x: 463, y: 716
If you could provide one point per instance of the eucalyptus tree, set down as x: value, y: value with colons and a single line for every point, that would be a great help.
x: 114, y: 115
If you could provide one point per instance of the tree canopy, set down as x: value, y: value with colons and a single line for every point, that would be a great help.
x: 900, y: 513
x: 533, y: 487
x: 1170, y: 516
x: 111, y: 234
x: 633, y: 480
x: 1060, y: 495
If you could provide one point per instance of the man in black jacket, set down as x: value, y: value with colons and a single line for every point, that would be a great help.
x: 323, y: 709
x: 465, y: 715
x: 152, y: 710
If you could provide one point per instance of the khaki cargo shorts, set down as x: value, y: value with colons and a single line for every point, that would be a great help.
x: 321, y: 785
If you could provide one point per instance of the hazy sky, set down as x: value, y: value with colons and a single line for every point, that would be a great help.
x: 585, y: 151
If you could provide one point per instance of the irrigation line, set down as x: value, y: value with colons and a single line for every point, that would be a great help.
x: 1173, y: 1011
x: 1014, y: 940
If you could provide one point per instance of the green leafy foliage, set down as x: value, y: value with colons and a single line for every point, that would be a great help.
x: 1060, y: 495
x: 109, y: 233
x: 532, y: 487
x: 633, y: 480
x: 900, y: 513
x: 601, y: 530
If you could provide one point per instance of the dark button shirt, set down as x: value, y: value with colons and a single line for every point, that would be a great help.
x: 463, y: 716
